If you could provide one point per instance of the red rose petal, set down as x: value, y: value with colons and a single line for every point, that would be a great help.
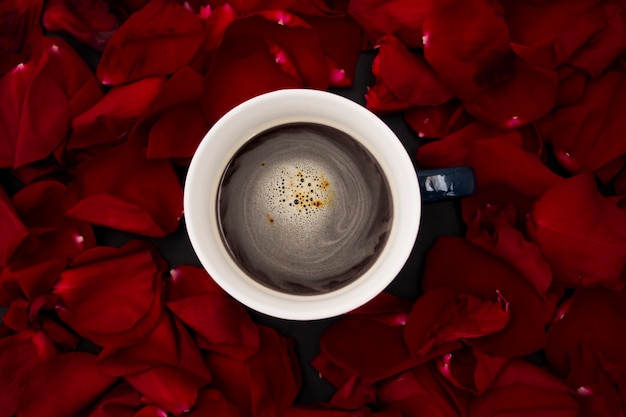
x: 101, y: 277
x: 187, y: 281
x: 221, y: 323
x: 264, y: 384
x: 310, y: 7
x: 341, y: 41
x: 423, y: 389
x: 35, y: 110
x: 29, y: 281
x: 354, y: 394
x: 243, y: 67
x: 467, y: 43
x: 583, y: 135
x: 90, y: 22
x: 177, y: 133
x: 494, y: 231
x: 212, y: 402
x: 527, y: 96
x: 20, y: 32
x: 142, y: 356
x: 559, y: 28
x: 20, y: 352
x: 401, y: 18
x: 605, y: 46
x: 477, y: 272
x: 581, y: 234
x: 13, y: 230
x: 525, y: 389
x: 440, y: 316
x: 70, y: 381
x: 408, y: 78
x: 594, y: 319
x: 114, y: 115
x: 156, y: 40
x: 572, y: 85
x: 123, y: 190
x: 121, y: 401
x: 302, y: 46
x: 214, y: 27
x: 437, y: 121
x: 471, y: 369
x: 454, y: 149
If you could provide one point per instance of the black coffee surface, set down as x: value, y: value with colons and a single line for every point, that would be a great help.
x: 304, y: 208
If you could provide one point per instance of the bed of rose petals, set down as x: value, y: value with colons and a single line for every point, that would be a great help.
x: 530, y: 93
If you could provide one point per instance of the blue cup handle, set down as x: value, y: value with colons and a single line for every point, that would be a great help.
x: 446, y: 183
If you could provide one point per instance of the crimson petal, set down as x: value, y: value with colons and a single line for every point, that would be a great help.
x: 406, y: 76
x: 581, y: 233
x: 523, y: 389
x: 156, y: 40
x: 128, y: 278
x: 479, y: 273
x: 527, y: 96
x: 401, y: 18
x: 90, y: 22
x: 20, y: 353
x: 123, y: 190
x: 583, y: 135
x: 437, y: 121
x: 471, y: 369
x: 467, y: 43
x: 121, y: 401
x: 13, y: 230
x: 243, y: 67
x: 63, y: 386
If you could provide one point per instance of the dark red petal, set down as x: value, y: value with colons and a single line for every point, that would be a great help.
x: 593, y: 318
x: 423, y: 389
x: 407, y: 76
x: 177, y: 133
x: 492, y: 231
x: 63, y: 386
x: 212, y: 402
x: 525, y: 389
x: 605, y: 46
x: 121, y: 401
x: 230, y: 377
x: 583, y: 135
x: 558, y: 29
x: 354, y: 394
x: 187, y: 281
x: 156, y: 40
x: 477, y: 272
x: 13, y: 230
x: 273, y: 374
x: 20, y: 32
x: 123, y: 190
x: 214, y: 27
x: 572, y: 85
x: 143, y: 355
x: 90, y: 22
x: 301, y: 45
x: 437, y: 121
x: 341, y: 41
x: 20, y: 352
x: 467, y: 43
x: 16, y: 317
x: 311, y: 7
x: 385, y: 308
x: 471, y: 369
x: 168, y: 387
x: 454, y: 148
x: 32, y: 280
x: 125, y: 277
x: 114, y: 115
x: 440, y: 316
x: 401, y: 18
x: 242, y: 68
x: 223, y: 324
x: 581, y: 233
x: 45, y: 113
x: 527, y: 96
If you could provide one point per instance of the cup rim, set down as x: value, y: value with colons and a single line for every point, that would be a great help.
x: 212, y: 155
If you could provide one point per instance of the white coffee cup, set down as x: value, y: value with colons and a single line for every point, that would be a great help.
x: 258, y: 114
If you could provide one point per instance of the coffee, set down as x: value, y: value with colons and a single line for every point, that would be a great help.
x: 304, y: 208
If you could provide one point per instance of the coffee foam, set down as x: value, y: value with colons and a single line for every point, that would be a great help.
x: 300, y: 214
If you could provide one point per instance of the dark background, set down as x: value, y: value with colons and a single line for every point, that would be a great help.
x: 437, y: 219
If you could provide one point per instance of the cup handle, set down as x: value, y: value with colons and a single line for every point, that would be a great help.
x: 446, y: 183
